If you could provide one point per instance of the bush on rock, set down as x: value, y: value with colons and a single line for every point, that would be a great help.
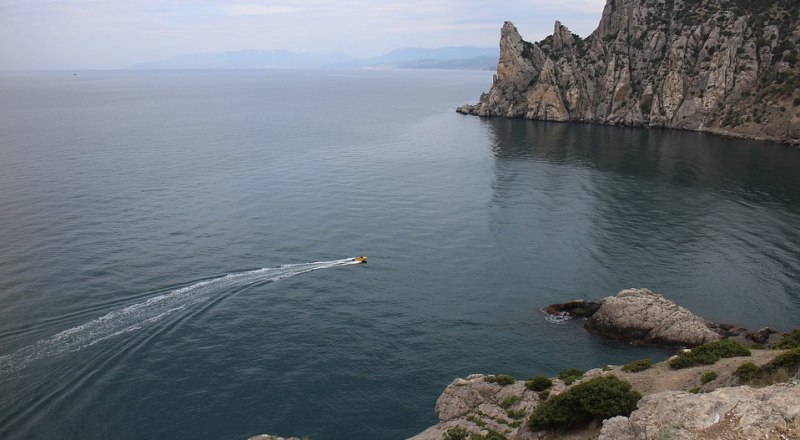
x: 636, y: 366
x: 597, y: 399
x: 709, y: 353
x: 538, y: 383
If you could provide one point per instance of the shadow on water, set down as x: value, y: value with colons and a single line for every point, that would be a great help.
x: 757, y: 171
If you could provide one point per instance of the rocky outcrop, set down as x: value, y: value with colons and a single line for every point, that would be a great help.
x: 722, y: 66
x: 479, y: 406
x: 726, y: 413
x: 641, y: 316
x: 677, y: 404
x: 474, y: 404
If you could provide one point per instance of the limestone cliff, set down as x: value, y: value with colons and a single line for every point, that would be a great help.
x: 723, y: 66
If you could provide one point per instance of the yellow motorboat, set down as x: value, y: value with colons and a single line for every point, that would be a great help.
x: 361, y: 260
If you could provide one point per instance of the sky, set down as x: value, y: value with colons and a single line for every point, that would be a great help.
x: 113, y: 34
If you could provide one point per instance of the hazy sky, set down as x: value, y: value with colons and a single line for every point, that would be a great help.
x: 98, y: 34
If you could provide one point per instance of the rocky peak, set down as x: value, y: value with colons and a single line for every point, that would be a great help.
x: 561, y: 36
x: 723, y: 66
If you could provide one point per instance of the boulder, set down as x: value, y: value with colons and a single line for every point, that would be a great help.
x: 643, y: 317
x: 476, y: 405
x: 726, y: 413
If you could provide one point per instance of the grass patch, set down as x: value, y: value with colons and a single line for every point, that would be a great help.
x: 544, y: 395
x: 789, y: 340
x: 708, y: 354
x: 500, y: 379
x: 707, y: 377
x: 789, y: 360
x: 569, y: 375
x: 780, y: 369
x: 461, y: 433
x: 477, y: 420
x: 456, y: 433
x: 538, y: 383
x: 516, y: 414
x: 509, y: 401
x: 746, y: 372
x: 636, y: 366
x: 596, y: 399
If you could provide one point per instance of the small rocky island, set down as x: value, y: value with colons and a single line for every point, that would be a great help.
x: 729, y: 67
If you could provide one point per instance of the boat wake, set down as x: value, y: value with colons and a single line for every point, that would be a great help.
x: 143, y: 314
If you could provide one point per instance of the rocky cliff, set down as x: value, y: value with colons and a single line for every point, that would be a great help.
x: 677, y: 404
x: 723, y: 66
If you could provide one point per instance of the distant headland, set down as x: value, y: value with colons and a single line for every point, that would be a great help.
x: 728, y: 67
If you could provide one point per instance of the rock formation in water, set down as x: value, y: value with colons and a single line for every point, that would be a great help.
x: 723, y: 66
x: 641, y: 316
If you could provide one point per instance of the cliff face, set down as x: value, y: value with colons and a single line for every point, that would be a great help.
x: 724, y: 66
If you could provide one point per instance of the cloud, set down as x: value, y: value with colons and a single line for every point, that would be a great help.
x: 249, y: 9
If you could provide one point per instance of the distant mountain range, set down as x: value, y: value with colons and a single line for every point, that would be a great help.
x: 465, y: 57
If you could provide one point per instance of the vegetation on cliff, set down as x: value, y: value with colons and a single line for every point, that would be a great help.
x: 708, y: 354
x: 596, y: 399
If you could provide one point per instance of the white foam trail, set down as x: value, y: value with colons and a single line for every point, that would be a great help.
x: 145, y: 313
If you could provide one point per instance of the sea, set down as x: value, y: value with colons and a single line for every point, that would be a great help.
x: 175, y: 247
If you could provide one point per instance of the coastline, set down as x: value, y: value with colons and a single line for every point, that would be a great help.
x: 482, y: 408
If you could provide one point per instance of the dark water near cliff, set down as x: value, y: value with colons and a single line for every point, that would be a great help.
x: 126, y: 197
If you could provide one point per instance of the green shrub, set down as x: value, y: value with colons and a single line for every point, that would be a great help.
x: 695, y: 390
x: 599, y: 398
x: 543, y: 395
x: 746, y: 372
x: 538, y: 383
x: 456, y: 433
x: 516, y: 414
x: 789, y: 360
x: 570, y: 375
x: 500, y: 379
x: 789, y: 340
x: 509, y: 401
x: 709, y: 353
x: 636, y: 366
x: 707, y: 377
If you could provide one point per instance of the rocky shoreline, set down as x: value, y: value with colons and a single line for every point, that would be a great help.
x: 722, y: 67
x: 709, y: 401
x: 735, y: 395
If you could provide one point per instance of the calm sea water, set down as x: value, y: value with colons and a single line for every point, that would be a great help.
x: 172, y: 245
